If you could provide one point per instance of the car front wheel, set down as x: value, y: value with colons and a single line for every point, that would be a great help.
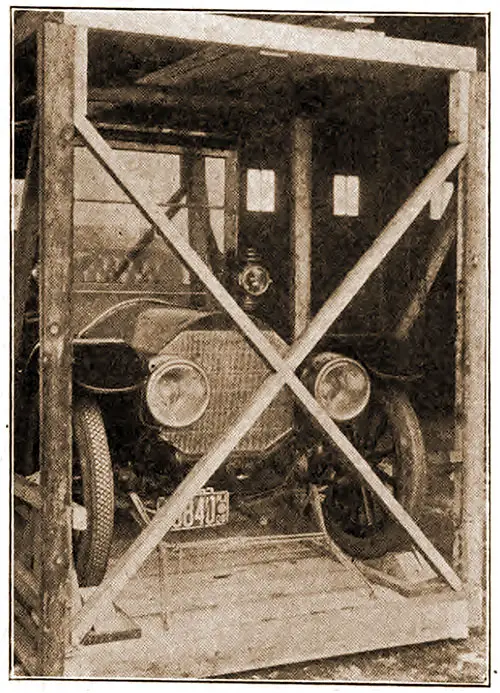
x: 93, y: 487
x: 389, y: 437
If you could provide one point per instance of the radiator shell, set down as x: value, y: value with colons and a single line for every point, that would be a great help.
x: 234, y: 371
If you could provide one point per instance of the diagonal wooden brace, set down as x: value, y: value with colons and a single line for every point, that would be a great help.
x: 137, y: 553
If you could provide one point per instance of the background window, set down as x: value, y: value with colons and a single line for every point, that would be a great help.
x: 260, y: 190
x: 345, y: 196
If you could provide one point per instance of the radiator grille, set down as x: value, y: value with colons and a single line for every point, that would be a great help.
x: 235, y: 371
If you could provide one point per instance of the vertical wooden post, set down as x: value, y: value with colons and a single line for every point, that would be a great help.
x: 475, y: 291
x: 301, y: 223
x: 231, y: 204
x: 458, y: 131
x: 56, y: 122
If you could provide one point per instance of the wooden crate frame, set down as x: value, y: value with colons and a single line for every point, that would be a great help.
x: 62, y: 103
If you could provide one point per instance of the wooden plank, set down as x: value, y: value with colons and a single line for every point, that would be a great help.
x: 281, y: 37
x: 137, y: 553
x: 137, y: 95
x: 26, y: 619
x: 438, y: 250
x: 200, y: 65
x: 458, y: 109
x: 27, y: 586
x: 27, y: 491
x: 55, y: 83
x: 301, y: 223
x: 243, y: 583
x: 209, y: 646
x: 281, y: 604
x: 474, y: 377
x: 400, y: 585
x: 25, y: 650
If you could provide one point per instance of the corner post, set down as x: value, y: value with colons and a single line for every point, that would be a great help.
x: 473, y: 528
x: 55, y: 84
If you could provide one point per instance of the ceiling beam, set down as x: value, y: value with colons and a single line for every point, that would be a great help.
x: 203, y: 64
x: 209, y: 27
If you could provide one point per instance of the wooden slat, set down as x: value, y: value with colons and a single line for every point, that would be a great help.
x: 55, y: 84
x: 243, y: 583
x: 137, y: 601
x: 27, y: 491
x: 25, y: 650
x: 137, y: 95
x: 474, y: 377
x: 133, y: 558
x: 438, y: 250
x: 26, y: 619
x: 27, y: 586
x: 215, y: 28
x: 301, y: 223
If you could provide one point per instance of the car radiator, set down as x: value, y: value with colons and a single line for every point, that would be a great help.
x: 234, y: 371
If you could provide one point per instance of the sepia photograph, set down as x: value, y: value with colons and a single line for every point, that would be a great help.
x: 249, y: 346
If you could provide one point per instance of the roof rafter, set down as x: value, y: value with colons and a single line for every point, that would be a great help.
x: 199, y: 65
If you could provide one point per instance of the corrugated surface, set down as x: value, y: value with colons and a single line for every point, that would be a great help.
x: 234, y: 371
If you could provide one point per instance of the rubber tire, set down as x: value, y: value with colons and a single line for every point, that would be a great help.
x: 411, y: 487
x: 92, y: 450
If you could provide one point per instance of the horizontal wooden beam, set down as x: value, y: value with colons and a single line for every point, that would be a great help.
x: 275, y: 36
x: 201, y: 65
x: 142, y: 95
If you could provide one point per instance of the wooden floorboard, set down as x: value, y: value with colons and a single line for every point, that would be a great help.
x: 211, y: 643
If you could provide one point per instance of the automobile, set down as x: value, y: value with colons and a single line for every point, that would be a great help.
x: 159, y: 373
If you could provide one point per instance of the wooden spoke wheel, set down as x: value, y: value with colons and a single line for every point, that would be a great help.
x: 389, y: 437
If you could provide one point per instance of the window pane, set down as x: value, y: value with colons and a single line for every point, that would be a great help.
x: 260, y: 190
x: 253, y: 190
x: 339, y: 195
x: 352, y: 196
x: 267, y: 191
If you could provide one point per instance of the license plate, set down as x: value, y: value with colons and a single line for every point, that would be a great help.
x: 208, y: 508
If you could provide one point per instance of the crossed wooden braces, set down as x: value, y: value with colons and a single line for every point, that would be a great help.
x: 133, y: 558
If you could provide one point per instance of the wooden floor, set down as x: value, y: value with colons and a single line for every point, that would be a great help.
x: 205, y: 612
